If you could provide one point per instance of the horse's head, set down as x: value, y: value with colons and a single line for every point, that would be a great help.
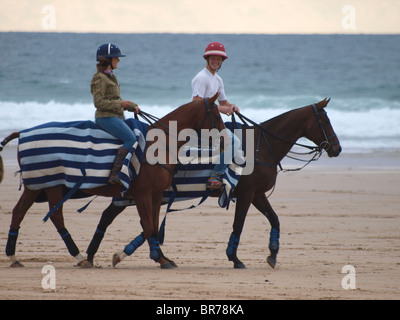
x: 321, y: 131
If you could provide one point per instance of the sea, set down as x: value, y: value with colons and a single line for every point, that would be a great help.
x: 46, y: 77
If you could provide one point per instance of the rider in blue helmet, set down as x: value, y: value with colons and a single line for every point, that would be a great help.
x: 108, y: 50
x: 110, y: 106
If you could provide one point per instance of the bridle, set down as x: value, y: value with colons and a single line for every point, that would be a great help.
x: 327, y: 143
x: 315, y: 151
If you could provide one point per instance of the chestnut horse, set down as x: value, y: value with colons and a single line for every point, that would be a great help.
x: 273, y: 140
x: 146, y: 189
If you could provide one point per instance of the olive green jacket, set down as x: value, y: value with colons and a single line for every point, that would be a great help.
x: 105, y: 90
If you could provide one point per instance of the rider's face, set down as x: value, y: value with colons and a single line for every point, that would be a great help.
x: 214, y: 62
x: 114, y: 62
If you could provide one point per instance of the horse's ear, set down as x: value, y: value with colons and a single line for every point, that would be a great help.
x: 212, y: 100
x: 322, y: 104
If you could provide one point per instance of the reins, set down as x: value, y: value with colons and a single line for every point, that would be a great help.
x: 149, y: 118
x: 242, y: 117
x: 316, y: 151
x: 153, y: 120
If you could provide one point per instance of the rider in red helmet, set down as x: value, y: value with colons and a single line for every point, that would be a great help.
x: 205, y: 85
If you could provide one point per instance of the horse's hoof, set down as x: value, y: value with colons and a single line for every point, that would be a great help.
x: 116, y: 259
x: 167, y: 266
x: 173, y: 264
x: 239, y: 265
x: 16, y: 264
x: 85, y: 264
x: 271, y: 261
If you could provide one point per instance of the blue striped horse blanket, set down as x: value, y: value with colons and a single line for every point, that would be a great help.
x: 79, y: 155
x: 76, y: 154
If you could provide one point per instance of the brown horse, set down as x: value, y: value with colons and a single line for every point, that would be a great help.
x: 273, y: 140
x: 146, y: 189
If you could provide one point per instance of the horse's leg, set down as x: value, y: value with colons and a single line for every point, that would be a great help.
x: 171, y: 264
x: 54, y: 196
x: 149, y: 224
x: 155, y: 251
x: 26, y: 200
x: 263, y: 205
x: 242, y: 207
x: 106, y: 219
x: 143, y: 205
x: 128, y: 250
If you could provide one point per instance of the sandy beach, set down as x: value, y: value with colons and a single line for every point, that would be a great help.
x: 335, y: 212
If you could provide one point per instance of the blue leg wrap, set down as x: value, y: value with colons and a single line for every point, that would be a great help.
x: 135, y: 243
x: 69, y: 242
x: 274, y: 239
x: 232, y: 246
x: 11, y: 242
x: 154, y: 248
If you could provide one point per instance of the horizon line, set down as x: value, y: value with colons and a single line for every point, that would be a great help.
x: 201, y: 33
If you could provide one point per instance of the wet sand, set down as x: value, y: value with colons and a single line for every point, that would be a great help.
x: 335, y: 212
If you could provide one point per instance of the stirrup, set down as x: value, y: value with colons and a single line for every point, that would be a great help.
x: 214, y: 183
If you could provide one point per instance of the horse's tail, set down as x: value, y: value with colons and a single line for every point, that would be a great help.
x: 6, y: 140
x: 12, y: 136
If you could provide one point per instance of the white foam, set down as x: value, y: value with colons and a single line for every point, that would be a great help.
x: 358, y: 127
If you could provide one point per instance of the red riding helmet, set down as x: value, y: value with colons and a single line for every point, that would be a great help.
x: 215, y: 49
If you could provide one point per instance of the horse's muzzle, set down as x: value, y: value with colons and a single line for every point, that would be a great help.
x: 334, y: 151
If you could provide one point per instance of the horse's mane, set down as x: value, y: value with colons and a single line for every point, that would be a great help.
x: 271, y: 122
x: 190, y: 104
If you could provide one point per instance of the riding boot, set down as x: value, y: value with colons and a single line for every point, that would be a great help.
x: 118, y: 162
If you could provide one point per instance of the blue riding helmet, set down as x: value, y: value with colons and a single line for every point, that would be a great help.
x: 108, y: 50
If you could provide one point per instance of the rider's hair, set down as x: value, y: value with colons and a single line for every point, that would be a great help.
x: 103, y: 63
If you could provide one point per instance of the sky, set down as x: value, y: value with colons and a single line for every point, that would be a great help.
x: 202, y: 16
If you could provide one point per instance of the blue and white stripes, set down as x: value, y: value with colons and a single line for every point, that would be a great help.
x: 56, y: 153
x: 80, y: 155
x: 190, y: 182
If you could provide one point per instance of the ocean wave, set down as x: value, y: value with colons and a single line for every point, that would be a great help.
x: 361, y: 129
